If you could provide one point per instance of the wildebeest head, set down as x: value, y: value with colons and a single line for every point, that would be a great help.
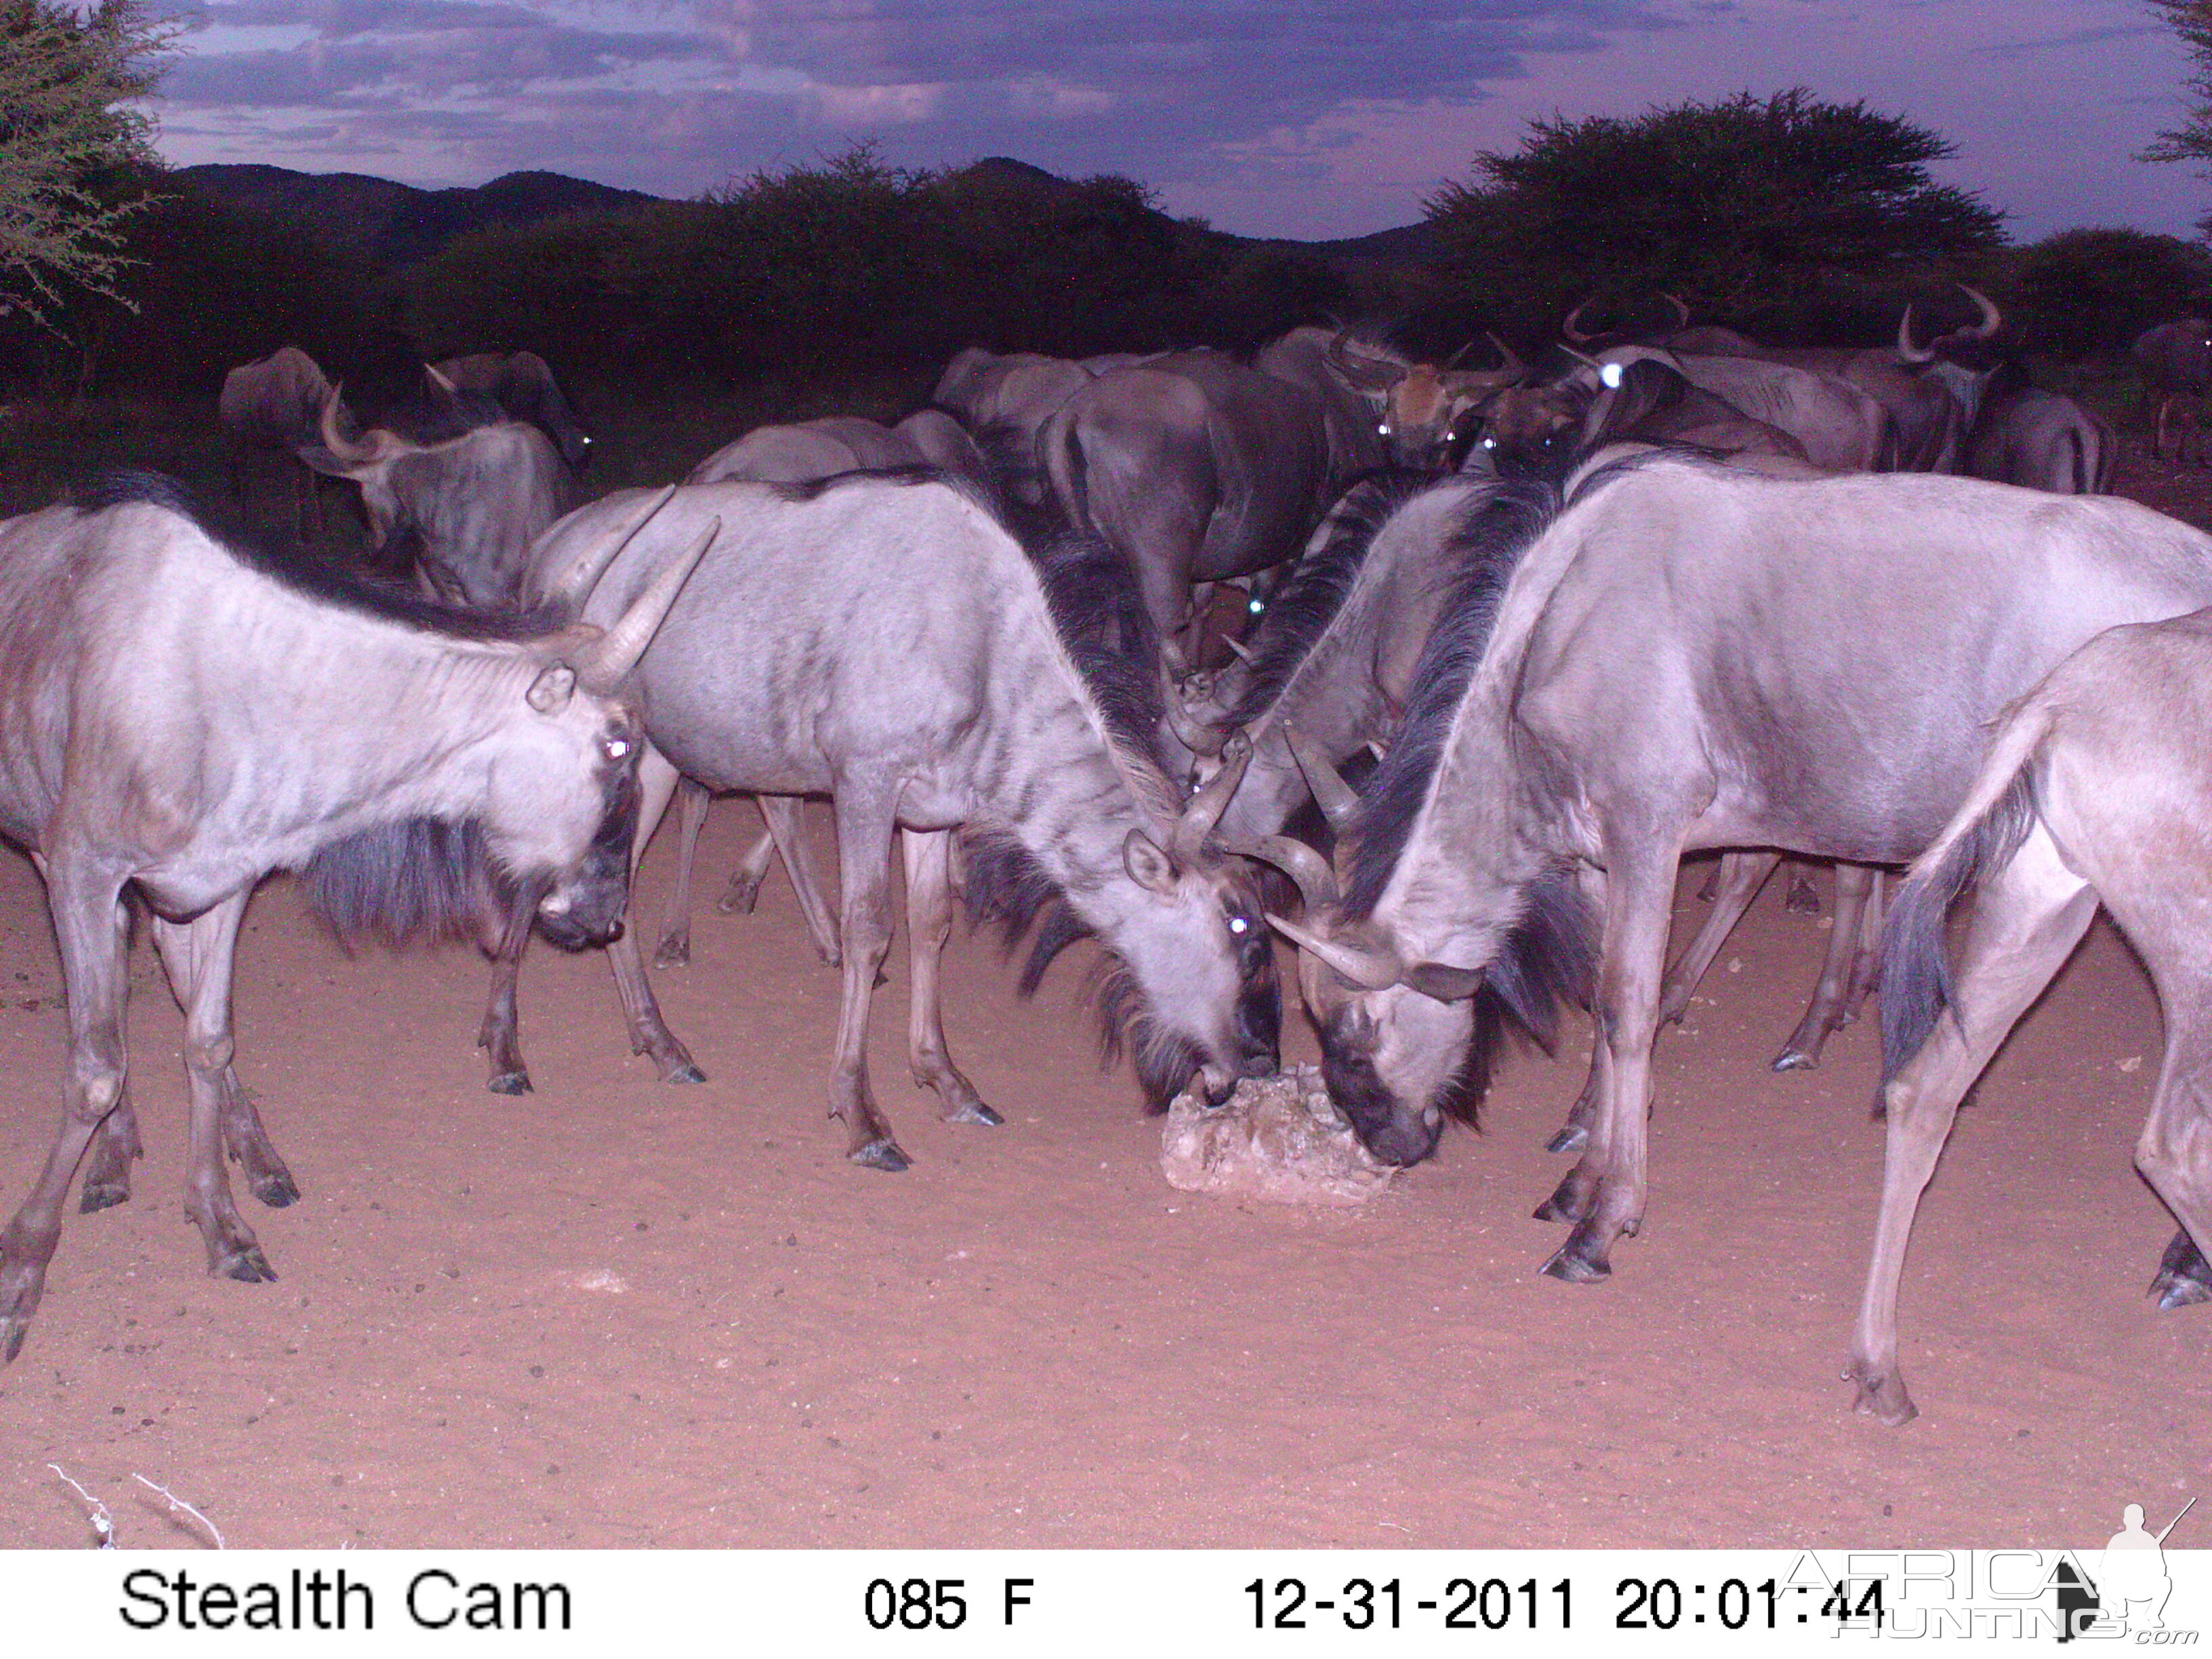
x: 562, y: 800
x: 1541, y: 431
x: 1419, y: 407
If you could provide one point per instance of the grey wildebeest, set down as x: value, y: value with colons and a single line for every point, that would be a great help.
x: 463, y: 510
x: 2040, y: 440
x: 2175, y: 361
x: 1681, y: 661
x: 2096, y: 789
x: 521, y: 382
x: 275, y: 407
x: 883, y: 640
x: 181, y: 718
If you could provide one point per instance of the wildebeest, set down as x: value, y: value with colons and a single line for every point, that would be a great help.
x: 522, y: 384
x: 1004, y: 400
x: 275, y: 407
x: 2175, y: 361
x: 1194, y: 468
x: 885, y: 641
x: 181, y: 718
x: 1635, y: 394
x: 2096, y: 789
x: 804, y: 451
x: 462, y: 510
x: 1382, y: 406
x: 2040, y: 440
x: 1683, y: 659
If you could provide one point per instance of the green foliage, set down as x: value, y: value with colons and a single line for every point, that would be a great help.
x: 66, y: 131
x: 1745, y: 203
x: 2085, y: 293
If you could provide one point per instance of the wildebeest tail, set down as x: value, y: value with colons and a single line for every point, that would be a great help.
x: 1988, y: 829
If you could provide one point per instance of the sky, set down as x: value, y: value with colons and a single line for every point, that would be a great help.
x: 1307, y: 118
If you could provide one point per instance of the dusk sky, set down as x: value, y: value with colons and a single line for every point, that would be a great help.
x: 1292, y: 118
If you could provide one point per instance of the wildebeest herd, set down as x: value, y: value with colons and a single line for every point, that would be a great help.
x: 1643, y: 593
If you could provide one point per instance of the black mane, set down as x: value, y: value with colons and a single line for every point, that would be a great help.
x: 1490, y: 543
x: 1302, y: 612
x: 308, y: 573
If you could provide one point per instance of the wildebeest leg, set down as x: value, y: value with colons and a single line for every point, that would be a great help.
x: 2175, y: 1151
x: 83, y: 902
x: 198, y: 955
x: 1803, y: 898
x: 785, y: 816
x: 107, y: 1172
x: 866, y: 808
x: 1573, y: 1135
x: 243, y: 1136
x: 675, y: 927
x: 501, y: 1035
x: 744, y: 891
x: 1866, y: 961
x: 2026, y: 921
x: 648, y: 1032
x: 1604, y: 1193
x: 1735, y: 885
x: 929, y: 924
x: 1831, y: 994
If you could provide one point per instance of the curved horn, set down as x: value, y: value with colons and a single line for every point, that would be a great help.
x: 1905, y: 350
x: 574, y: 584
x: 1682, y: 312
x: 1992, y: 319
x: 1241, y: 651
x: 1207, y: 805
x: 1197, y: 738
x: 1302, y: 864
x: 440, y: 381
x: 1509, y: 369
x: 1339, y: 800
x: 1567, y: 328
x: 351, y: 452
x: 1370, y: 971
x: 1584, y: 358
x: 1368, y: 369
x: 601, y: 664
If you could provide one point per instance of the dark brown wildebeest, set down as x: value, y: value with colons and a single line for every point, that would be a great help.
x: 180, y: 718
x: 522, y: 384
x: 275, y: 407
x: 2097, y: 788
x: 2175, y: 361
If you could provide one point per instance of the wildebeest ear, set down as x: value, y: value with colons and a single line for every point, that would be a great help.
x: 1149, y: 867
x: 1444, y: 981
x: 549, y: 692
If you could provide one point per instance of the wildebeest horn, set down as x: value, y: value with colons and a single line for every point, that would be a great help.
x: 574, y: 584
x: 1302, y: 864
x: 1368, y: 369
x: 1584, y: 358
x: 1339, y: 800
x: 1369, y: 969
x: 601, y: 664
x: 1681, y: 311
x: 1241, y: 651
x: 1199, y: 739
x: 440, y: 381
x: 349, y: 451
x: 1207, y: 805
x: 1905, y: 349
x: 1567, y: 328
x: 1992, y: 319
x: 1509, y: 370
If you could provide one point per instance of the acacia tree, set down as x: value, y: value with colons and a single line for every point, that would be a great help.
x: 1746, y: 203
x: 67, y: 130
x: 2192, y: 140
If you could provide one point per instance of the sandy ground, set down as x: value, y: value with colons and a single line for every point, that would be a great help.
x: 620, y: 1313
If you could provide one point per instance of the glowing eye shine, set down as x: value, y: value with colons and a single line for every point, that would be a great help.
x: 1610, y: 374
x: 617, y: 747
x: 1256, y: 606
x: 1239, y: 926
x: 1384, y: 428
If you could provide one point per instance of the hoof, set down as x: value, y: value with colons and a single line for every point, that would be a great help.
x: 738, y: 899
x: 2173, y: 1293
x: 1571, y: 1138
x: 975, y: 1112
x: 883, y: 1155
x: 1569, y: 1267
x: 13, y: 1329
x: 278, y: 1192
x: 1566, y: 1203
x: 1803, y: 901
x: 510, y: 1083
x: 684, y: 1072
x: 1883, y: 1398
x: 102, y: 1196
x: 675, y: 951
x: 1795, y: 1060
x: 248, y: 1266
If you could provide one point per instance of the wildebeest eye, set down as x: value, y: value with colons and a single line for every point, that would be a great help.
x: 617, y: 748
x: 1256, y: 605
x: 1238, y: 926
